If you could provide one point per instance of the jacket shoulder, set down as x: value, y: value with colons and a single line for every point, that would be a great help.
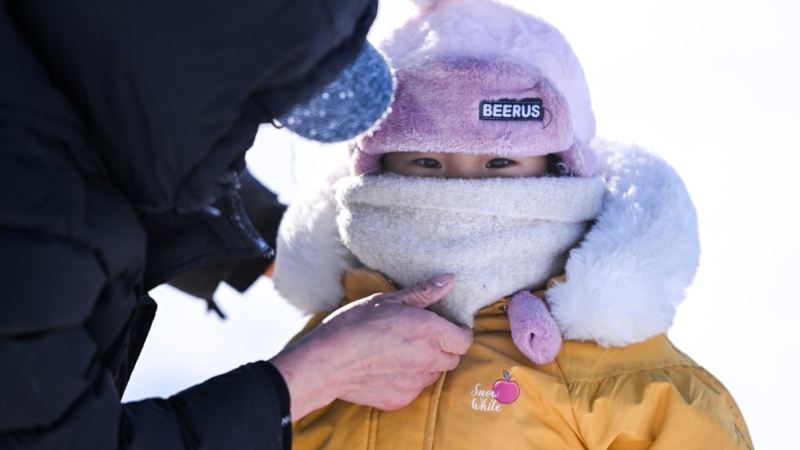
x: 649, y: 393
x: 586, y: 361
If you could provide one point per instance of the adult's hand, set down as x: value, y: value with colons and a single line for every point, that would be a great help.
x: 379, y: 351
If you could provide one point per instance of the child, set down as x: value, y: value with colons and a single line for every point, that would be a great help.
x: 487, y: 168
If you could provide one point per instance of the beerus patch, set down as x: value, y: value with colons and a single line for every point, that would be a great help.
x: 510, y: 109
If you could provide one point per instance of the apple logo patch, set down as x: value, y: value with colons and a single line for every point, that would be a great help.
x: 505, y: 390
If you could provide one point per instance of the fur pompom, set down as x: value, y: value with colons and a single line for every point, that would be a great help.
x: 533, y: 330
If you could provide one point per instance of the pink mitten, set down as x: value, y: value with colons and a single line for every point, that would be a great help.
x: 533, y: 329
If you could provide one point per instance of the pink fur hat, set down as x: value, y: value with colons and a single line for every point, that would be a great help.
x: 478, y: 76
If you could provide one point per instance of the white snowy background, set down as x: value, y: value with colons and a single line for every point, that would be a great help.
x: 711, y: 85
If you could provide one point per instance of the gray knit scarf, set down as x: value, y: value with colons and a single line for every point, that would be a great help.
x: 497, y: 235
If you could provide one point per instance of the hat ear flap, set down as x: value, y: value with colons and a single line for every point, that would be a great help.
x: 362, y: 163
x: 580, y: 159
x: 533, y: 329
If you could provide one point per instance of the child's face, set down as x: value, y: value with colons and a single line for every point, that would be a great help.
x: 463, y: 165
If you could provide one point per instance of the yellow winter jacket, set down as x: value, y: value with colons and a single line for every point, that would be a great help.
x: 645, y: 396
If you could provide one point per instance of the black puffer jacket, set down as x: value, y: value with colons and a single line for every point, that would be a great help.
x: 123, y: 129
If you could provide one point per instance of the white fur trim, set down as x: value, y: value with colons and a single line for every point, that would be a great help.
x: 310, y: 257
x: 630, y: 272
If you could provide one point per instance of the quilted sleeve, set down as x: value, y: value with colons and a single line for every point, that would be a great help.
x: 667, y: 408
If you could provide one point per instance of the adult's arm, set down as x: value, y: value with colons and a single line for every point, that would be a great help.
x: 245, y: 408
x: 71, y: 254
x: 380, y: 351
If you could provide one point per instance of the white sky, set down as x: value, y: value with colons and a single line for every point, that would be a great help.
x: 710, y: 85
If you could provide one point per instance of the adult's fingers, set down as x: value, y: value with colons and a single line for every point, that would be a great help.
x: 451, y: 338
x: 445, y: 363
x: 454, y: 339
x: 425, y: 293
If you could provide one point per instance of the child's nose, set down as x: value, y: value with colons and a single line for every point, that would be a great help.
x: 463, y: 173
x: 470, y: 170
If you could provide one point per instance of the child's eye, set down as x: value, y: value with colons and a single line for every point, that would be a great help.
x: 428, y: 163
x: 499, y: 163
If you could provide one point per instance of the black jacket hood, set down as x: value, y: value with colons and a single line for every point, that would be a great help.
x: 170, y: 108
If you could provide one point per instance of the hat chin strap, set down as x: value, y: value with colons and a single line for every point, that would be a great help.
x: 498, y: 236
